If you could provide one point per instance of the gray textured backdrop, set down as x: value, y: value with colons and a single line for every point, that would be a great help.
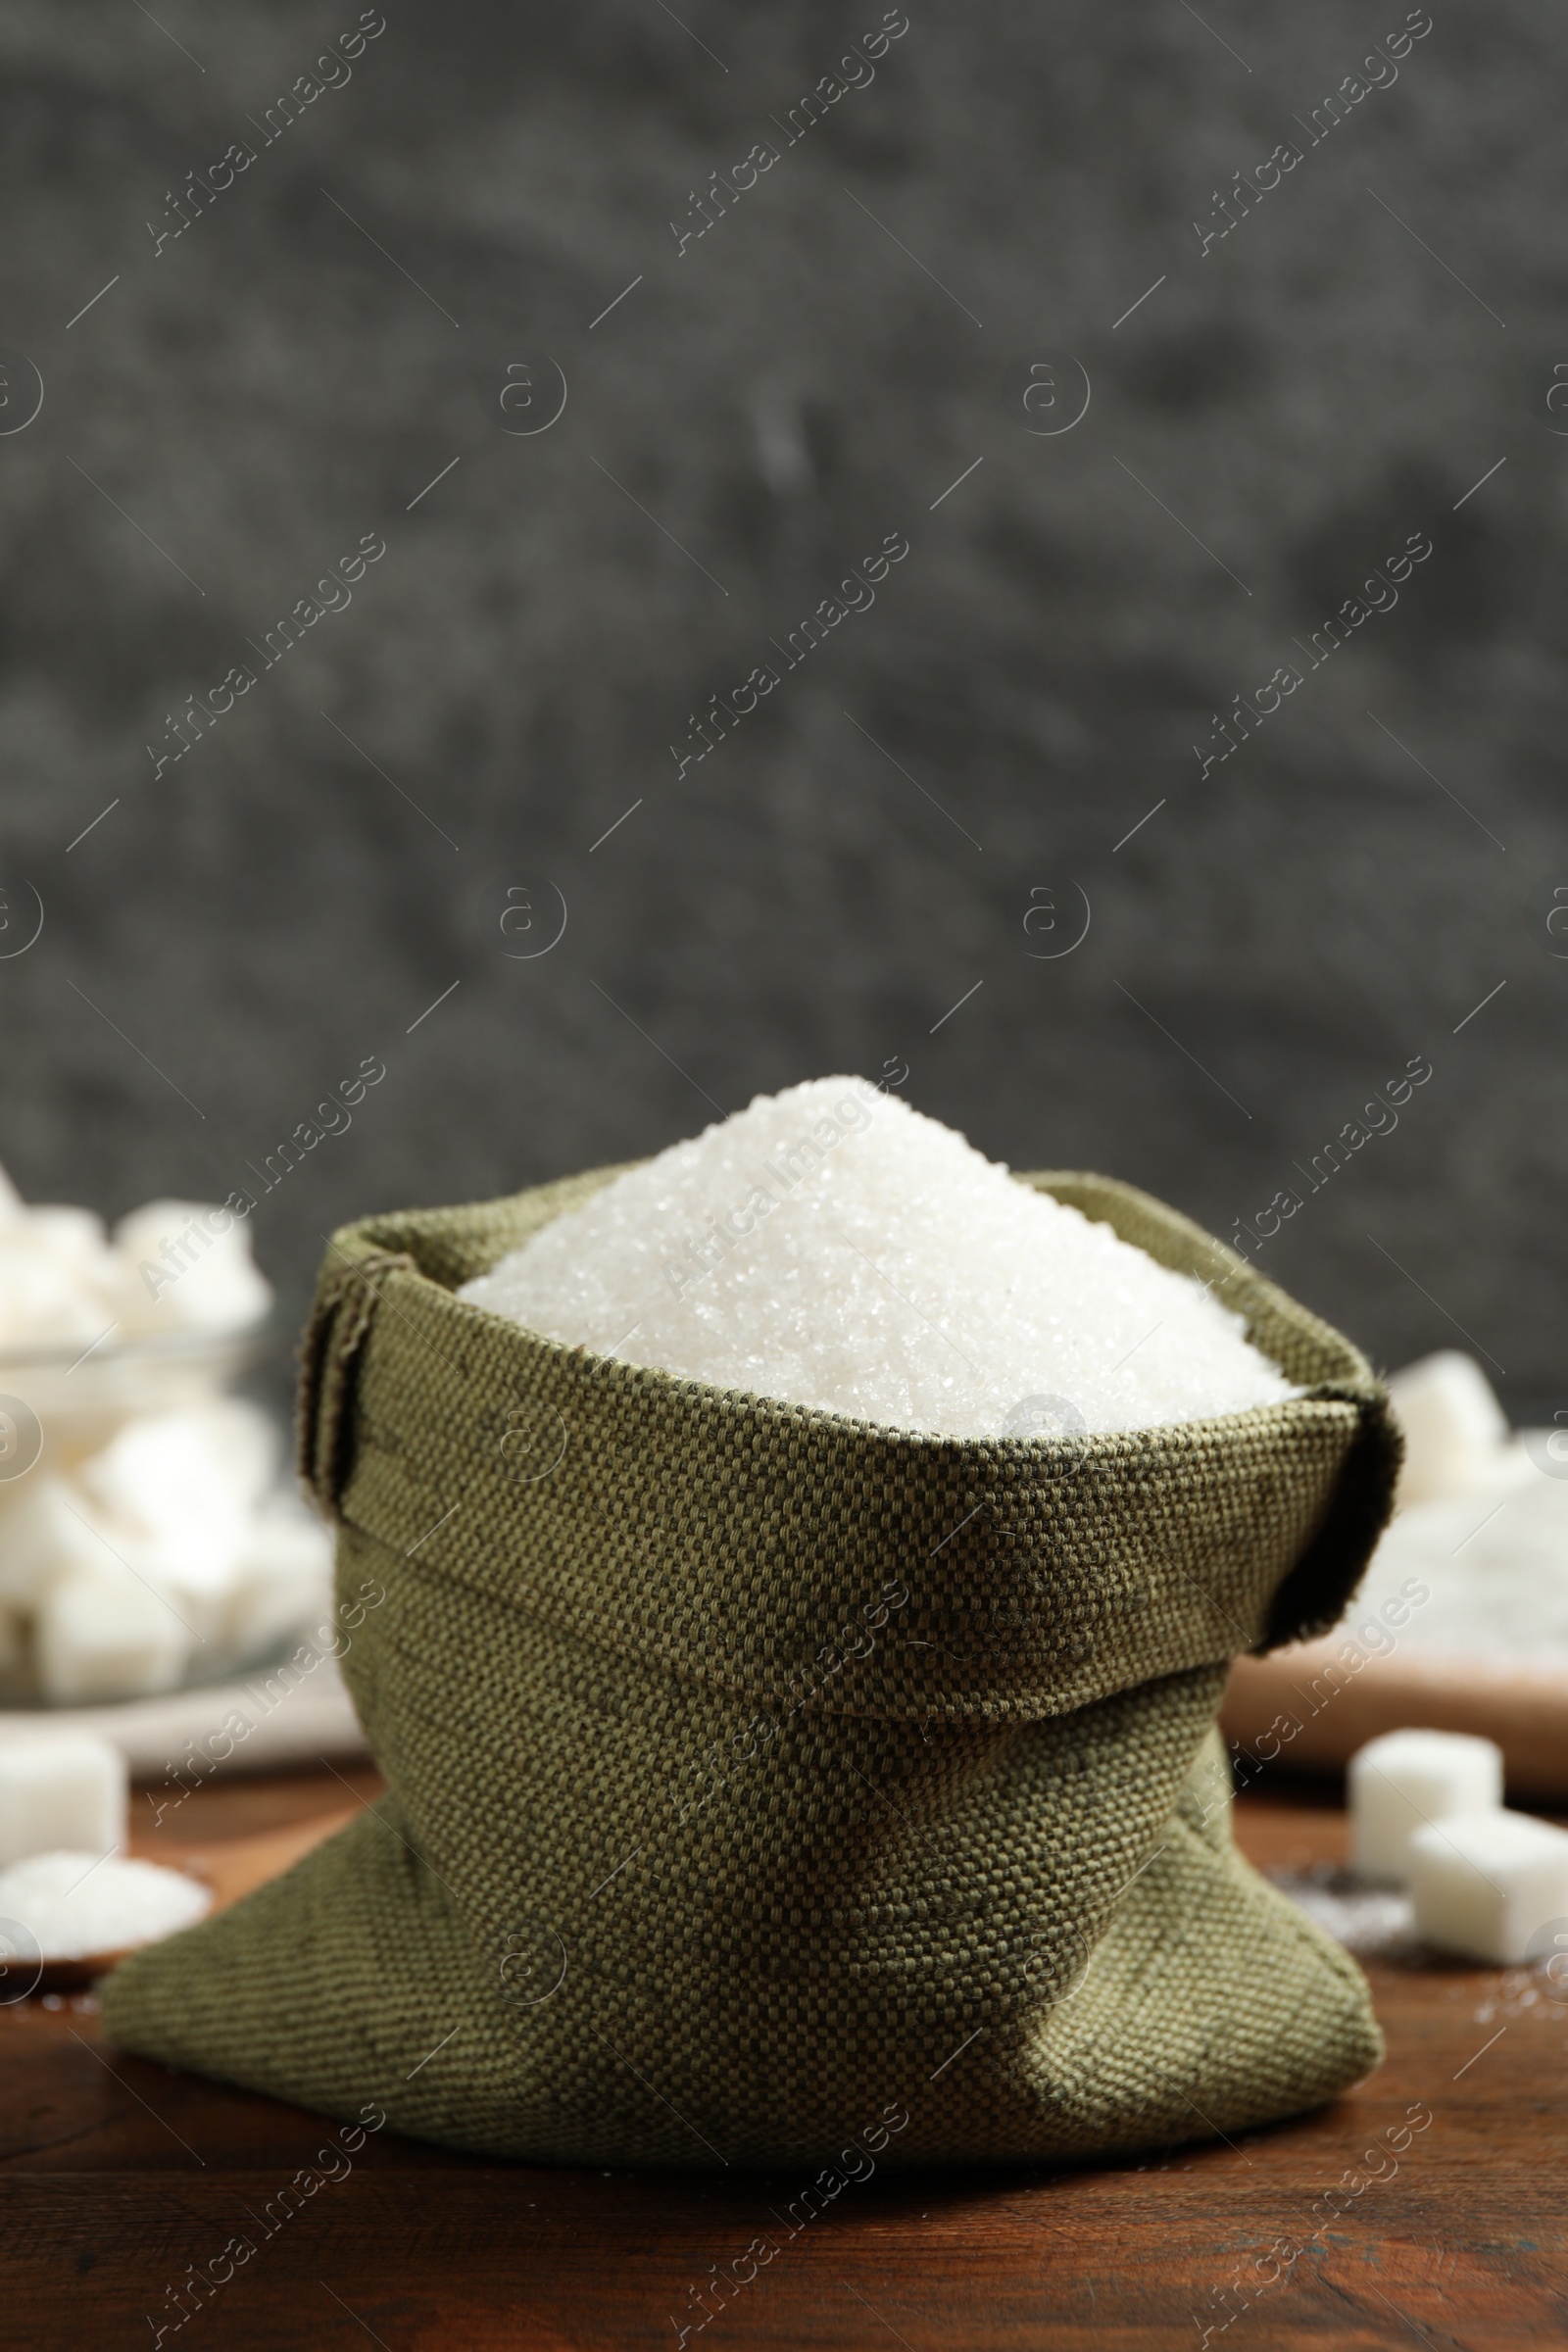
x: 334, y: 328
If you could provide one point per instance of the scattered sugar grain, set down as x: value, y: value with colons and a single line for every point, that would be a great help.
x: 1372, y: 1921
x: 833, y: 1247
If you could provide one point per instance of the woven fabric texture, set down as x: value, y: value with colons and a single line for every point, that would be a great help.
x: 757, y: 1777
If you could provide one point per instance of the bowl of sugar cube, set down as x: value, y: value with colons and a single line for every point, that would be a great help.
x: 147, y: 1539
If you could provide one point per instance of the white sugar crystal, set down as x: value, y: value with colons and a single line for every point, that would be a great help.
x: 74, y: 1905
x: 833, y: 1247
x: 1490, y: 1885
x: 1404, y: 1781
x: 60, y: 1789
x: 1453, y: 1426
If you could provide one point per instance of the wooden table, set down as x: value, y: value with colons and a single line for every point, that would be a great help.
x: 114, y: 2174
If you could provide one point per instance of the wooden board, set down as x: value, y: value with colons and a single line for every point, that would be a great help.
x: 115, y: 2176
x: 233, y: 1866
x: 1303, y: 1708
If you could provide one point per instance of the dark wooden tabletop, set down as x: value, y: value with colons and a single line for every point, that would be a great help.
x: 1449, y: 2232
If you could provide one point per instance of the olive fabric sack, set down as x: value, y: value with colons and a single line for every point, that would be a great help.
x: 758, y: 1777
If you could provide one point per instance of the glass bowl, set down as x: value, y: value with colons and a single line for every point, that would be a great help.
x: 72, y: 1400
x: 59, y: 1406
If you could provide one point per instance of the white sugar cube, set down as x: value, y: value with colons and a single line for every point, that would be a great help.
x: 1401, y: 1783
x: 44, y: 1302
x: 1453, y: 1426
x: 179, y: 1489
x: 1487, y: 1883
x: 283, y: 1582
x: 187, y: 1265
x: 102, y: 1634
x: 60, y: 1789
x: 74, y: 1237
x: 48, y: 1532
x: 220, y: 1457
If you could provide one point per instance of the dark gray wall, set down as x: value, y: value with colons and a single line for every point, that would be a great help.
x: 1288, y: 404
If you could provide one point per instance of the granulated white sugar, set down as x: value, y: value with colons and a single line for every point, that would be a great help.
x: 833, y: 1247
x: 75, y: 1906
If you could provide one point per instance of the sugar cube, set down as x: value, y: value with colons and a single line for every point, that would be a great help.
x: 283, y: 1581
x: 60, y: 1789
x: 1487, y: 1883
x: 45, y: 1532
x: 1453, y: 1426
x: 1401, y: 1783
x: 101, y: 1634
x: 188, y: 1267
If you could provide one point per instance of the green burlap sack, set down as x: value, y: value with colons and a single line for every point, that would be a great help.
x: 758, y: 1777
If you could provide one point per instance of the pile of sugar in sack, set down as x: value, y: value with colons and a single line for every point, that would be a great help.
x: 833, y: 1247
